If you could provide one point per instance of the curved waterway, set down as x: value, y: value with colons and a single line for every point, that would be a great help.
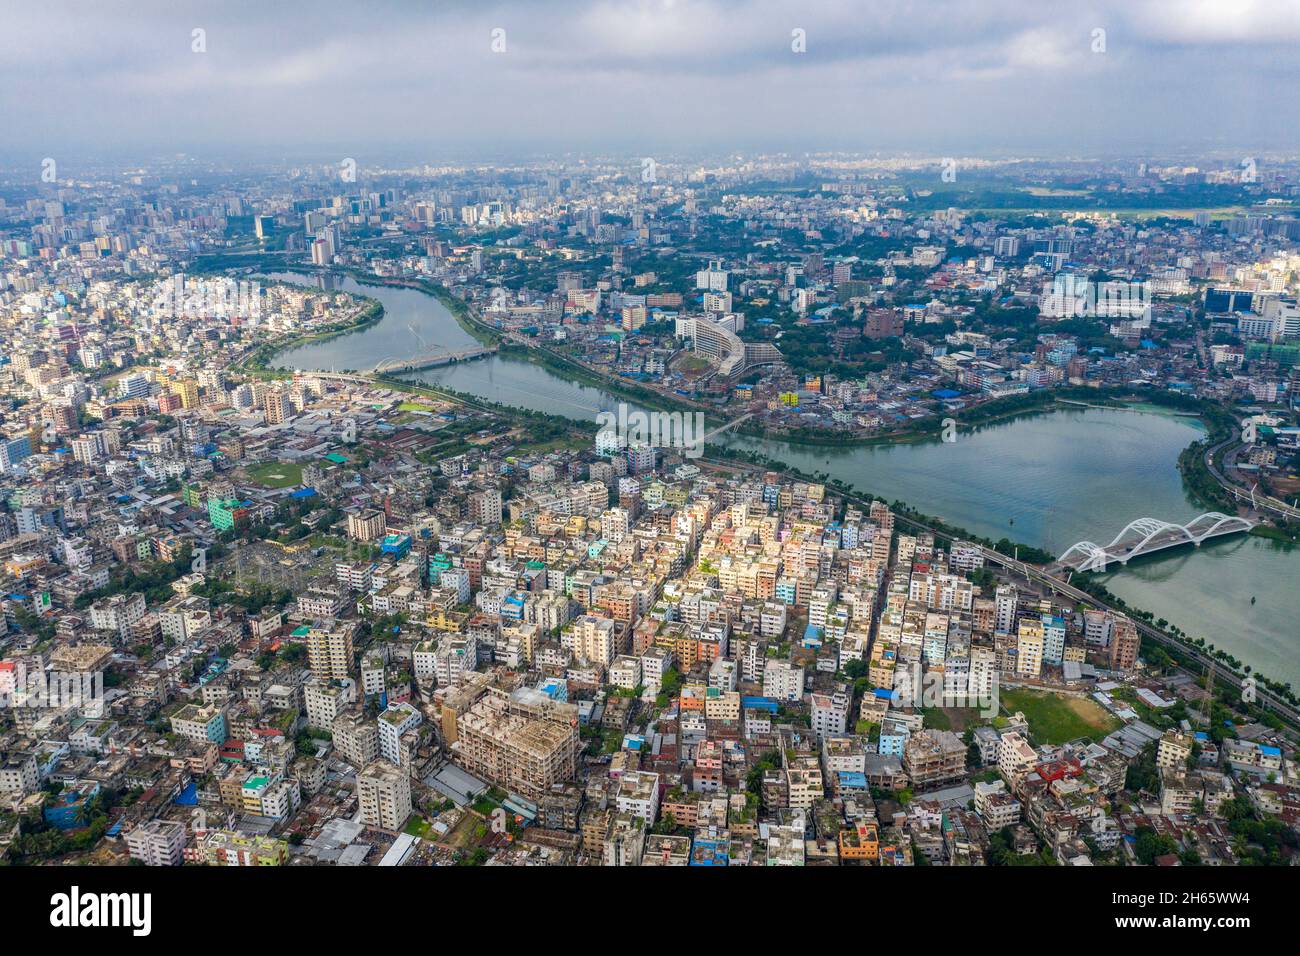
x: 1047, y: 480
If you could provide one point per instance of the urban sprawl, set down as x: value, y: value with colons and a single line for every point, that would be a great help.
x: 258, y: 615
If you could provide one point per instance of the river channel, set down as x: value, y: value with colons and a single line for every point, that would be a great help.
x: 1046, y: 480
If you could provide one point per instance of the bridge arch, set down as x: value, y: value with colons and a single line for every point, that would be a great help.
x: 1137, y: 538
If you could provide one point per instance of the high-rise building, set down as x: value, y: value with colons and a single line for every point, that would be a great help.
x: 485, y: 507
x: 278, y: 407
x: 134, y: 386
x: 1029, y: 648
x: 329, y: 652
x: 1005, y: 613
x: 366, y: 525
x: 188, y: 389
x: 356, y: 738
x: 1124, y: 644
x: 384, y: 794
x: 393, y: 723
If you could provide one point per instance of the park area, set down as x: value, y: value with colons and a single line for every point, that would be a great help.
x: 1057, y: 718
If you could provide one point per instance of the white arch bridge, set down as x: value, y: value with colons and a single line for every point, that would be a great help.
x: 1147, y: 535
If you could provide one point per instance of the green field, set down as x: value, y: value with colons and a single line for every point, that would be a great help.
x: 418, y: 826
x: 276, y: 474
x: 1057, y: 719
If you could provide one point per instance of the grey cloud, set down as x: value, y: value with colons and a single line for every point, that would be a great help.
x: 969, y: 74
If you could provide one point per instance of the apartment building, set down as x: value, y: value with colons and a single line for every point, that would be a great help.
x: 356, y: 738
x: 830, y: 714
x: 638, y: 795
x: 783, y: 680
x: 367, y: 525
x: 117, y: 614
x: 384, y: 794
x: 157, y: 843
x: 231, y: 848
x: 1015, y: 757
x: 1124, y: 644
x: 326, y: 699
x: 1174, y: 750
x: 996, y: 807
x: 1029, y: 648
x: 393, y: 724
x: 329, y: 651
x: 19, y: 773
x: 200, y: 723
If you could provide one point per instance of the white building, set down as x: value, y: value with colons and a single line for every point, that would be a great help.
x: 395, y: 721
x: 783, y: 680
x: 830, y: 714
x: 638, y: 795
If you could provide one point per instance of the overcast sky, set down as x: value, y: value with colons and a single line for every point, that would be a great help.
x: 379, y: 78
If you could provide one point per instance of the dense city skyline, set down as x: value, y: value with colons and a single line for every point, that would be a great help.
x: 628, y: 434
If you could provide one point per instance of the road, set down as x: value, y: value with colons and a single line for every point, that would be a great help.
x: 1259, y: 502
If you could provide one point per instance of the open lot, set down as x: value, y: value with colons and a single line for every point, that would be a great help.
x: 956, y: 719
x: 1056, y: 718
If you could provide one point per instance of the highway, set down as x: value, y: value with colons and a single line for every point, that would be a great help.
x: 1257, y: 501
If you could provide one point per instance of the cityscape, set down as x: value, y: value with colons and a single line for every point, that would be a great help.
x: 595, y: 505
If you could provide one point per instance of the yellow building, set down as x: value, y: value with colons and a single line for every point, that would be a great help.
x: 231, y: 848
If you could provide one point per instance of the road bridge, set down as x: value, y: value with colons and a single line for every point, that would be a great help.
x: 1147, y: 536
x: 432, y: 360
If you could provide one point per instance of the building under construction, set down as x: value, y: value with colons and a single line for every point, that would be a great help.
x: 521, y: 741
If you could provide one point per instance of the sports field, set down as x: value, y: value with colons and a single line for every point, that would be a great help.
x: 1056, y: 718
x: 276, y: 474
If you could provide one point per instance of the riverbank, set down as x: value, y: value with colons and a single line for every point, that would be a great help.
x: 1043, y: 483
x: 259, y: 360
x: 993, y: 412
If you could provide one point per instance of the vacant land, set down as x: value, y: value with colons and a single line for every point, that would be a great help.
x: 418, y: 826
x: 1056, y: 719
x: 956, y: 719
x: 276, y: 474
